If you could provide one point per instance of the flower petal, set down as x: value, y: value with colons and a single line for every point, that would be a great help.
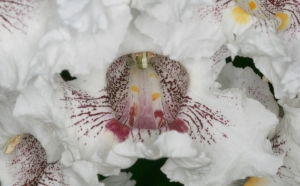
x: 291, y: 41
x: 170, y: 11
x: 186, y: 39
x: 64, y: 48
x: 22, y: 24
x: 274, y: 69
x: 123, y: 179
x: 255, y: 88
x: 250, y: 36
x: 286, y: 142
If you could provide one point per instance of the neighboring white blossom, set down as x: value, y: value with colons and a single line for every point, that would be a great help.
x: 24, y: 160
x: 268, y: 32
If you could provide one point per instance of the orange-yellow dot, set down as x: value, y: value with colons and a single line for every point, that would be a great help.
x: 135, y: 89
x: 252, y: 5
x: 153, y: 75
x: 284, y: 20
x: 155, y: 96
x: 240, y: 15
x: 255, y: 181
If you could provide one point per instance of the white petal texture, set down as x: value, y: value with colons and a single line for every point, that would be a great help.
x: 22, y: 24
x: 170, y: 11
x: 84, y: 36
x: 191, y: 38
x: 255, y: 88
x: 291, y: 40
x: 123, y: 179
x: 286, y: 142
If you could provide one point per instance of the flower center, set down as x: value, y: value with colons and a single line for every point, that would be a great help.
x: 146, y: 90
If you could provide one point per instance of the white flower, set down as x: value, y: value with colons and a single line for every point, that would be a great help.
x: 114, y: 116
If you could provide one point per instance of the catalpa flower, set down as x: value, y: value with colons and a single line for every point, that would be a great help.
x: 149, y: 106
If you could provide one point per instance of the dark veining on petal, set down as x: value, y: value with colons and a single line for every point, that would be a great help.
x: 13, y: 13
x: 279, y: 147
x: 200, y: 119
x: 89, y: 113
x: 277, y: 143
x: 28, y: 164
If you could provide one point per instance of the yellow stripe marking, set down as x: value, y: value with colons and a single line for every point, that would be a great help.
x: 252, y: 5
x: 155, y: 96
x: 135, y: 89
x: 12, y: 143
x: 255, y: 181
x: 240, y: 15
x: 284, y: 20
x: 153, y: 75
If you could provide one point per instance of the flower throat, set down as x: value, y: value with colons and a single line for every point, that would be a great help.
x: 146, y: 90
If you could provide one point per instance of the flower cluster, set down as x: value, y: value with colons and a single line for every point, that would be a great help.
x: 150, y: 81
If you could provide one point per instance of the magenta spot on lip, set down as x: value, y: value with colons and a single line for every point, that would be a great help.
x: 118, y: 129
x: 159, y: 114
x: 179, y: 126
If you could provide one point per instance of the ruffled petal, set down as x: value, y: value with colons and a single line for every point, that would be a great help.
x: 194, y: 37
x: 286, y: 142
x: 255, y: 88
x: 63, y: 47
x: 87, y: 15
x: 290, y: 81
x: 170, y: 11
x: 123, y: 179
x: 134, y: 41
x: 22, y: 24
x: 231, y: 128
x: 274, y: 70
